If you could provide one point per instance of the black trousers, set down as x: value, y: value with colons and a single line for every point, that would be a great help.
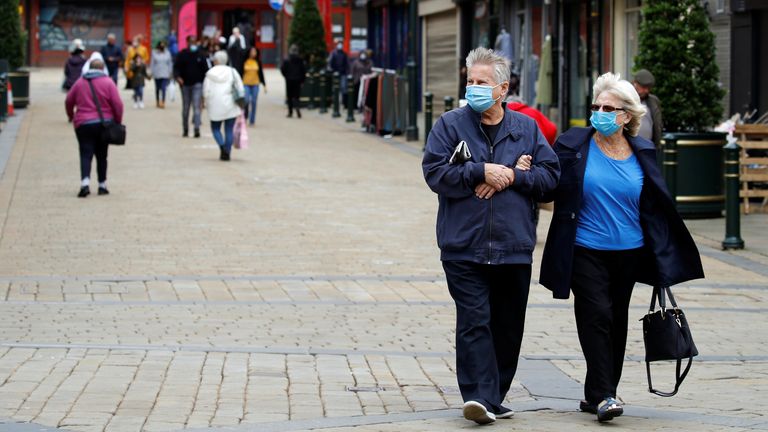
x: 490, y: 318
x: 293, y: 92
x: 602, y: 283
x: 91, y: 144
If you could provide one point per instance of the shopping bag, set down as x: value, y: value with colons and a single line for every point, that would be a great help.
x: 241, y: 133
x: 172, y: 91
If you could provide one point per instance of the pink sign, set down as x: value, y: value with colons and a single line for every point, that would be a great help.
x: 187, y: 22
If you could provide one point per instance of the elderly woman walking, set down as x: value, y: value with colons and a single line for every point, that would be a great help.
x: 614, y: 224
x: 222, y: 85
x: 92, y: 97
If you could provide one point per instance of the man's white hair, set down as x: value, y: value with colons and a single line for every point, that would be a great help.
x: 625, y: 91
x: 220, y: 57
x: 488, y: 57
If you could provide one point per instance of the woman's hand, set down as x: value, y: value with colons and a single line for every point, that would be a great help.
x: 524, y: 163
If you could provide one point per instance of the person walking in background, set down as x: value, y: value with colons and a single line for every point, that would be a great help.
x: 361, y: 66
x: 161, y: 68
x: 294, y: 72
x: 82, y: 111
x: 189, y: 70
x: 516, y: 103
x: 651, y: 124
x: 615, y: 224
x: 236, y: 49
x: 173, y: 44
x: 113, y: 55
x: 136, y: 49
x: 338, y: 61
x: 139, y: 77
x: 219, y: 87
x: 485, y: 228
x: 74, y: 66
x: 253, y: 77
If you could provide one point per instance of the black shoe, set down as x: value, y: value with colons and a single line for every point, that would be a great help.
x: 477, y: 412
x: 504, y: 413
x: 197, y: 133
x: 290, y: 114
x: 103, y: 191
x: 84, y: 192
x: 186, y: 133
x: 608, y: 409
x: 223, y: 155
x: 587, y: 407
x: 298, y: 113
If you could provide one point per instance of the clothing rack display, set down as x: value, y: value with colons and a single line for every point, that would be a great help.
x: 384, y: 101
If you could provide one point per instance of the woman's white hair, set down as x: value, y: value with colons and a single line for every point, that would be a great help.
x: 220, y: 57
x: 488, y: 57
x: 625, y: 91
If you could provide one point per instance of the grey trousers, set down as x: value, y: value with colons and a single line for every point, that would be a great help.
x: 191, y: 95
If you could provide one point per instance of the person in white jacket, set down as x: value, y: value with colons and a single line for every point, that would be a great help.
x: 222, y: 85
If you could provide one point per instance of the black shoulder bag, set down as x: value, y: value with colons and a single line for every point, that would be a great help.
x: 112, y: 132
x: 667, y: 337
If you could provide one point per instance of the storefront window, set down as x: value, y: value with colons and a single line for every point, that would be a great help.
x: 632, y: 28
x: 61, y: 21
x: 161, y: 21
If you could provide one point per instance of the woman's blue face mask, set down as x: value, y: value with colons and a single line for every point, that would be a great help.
x: 480, y: 97
x: 604, y: 122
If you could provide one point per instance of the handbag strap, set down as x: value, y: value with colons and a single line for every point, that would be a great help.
x: 679, y: 378
x: 95, y: 99
x: 661, y: 293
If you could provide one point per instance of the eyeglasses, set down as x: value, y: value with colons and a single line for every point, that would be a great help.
x: 606, y: 108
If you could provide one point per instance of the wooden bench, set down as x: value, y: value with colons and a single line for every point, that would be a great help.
x: 753, y: 169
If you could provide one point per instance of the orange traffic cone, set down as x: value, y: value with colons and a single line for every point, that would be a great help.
x: 10, y: 99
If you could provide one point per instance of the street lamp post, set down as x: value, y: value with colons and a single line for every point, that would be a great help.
x: 412, y: 131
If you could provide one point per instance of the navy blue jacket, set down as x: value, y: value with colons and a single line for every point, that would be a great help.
x: 669, y: 255
x: 500, y: 230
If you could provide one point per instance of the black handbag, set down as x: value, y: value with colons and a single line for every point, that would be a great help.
x: 112, y: 132
x: 667, y: 336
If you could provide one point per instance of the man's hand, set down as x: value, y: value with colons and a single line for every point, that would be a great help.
x: 524, y: 163
x: 498, y: 176
x: 484, y: 191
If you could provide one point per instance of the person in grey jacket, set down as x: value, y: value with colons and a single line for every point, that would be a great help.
x: 651, y: 124
x: 489, y: 166
x: 161, y: 68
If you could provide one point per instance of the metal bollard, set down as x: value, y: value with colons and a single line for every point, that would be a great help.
x: 350, y: 100
x: 427, y: 115
x: 670, y: 165
x: 312, y: 89
x: 336, y: 90
x: 733, y: 238
x: 323, y: 92
x: 448, y: 103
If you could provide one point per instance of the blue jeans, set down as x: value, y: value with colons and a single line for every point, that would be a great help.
x: 251, y: 96
x: 138, y: 93
x: 191, y: 96
x: 225, y: 142
x: 160, y: 85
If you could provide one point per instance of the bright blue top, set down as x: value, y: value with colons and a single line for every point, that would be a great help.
x: 610, y: 210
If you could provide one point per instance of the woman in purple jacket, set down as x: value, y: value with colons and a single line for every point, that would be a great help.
x: 83, y: 112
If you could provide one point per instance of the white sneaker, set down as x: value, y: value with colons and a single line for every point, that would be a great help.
x: 135, y: 105
x: 141, y: 105
x: 477, y: 412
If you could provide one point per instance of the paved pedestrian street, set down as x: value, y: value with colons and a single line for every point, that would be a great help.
x: 298, y: 287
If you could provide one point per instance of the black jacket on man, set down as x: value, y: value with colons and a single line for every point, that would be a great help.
x: 190, y: 66
x: 669, y: 255
x: 654, y: 110
x: 293, y: 68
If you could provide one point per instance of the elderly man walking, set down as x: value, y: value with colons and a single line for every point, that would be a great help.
x: 651, y: 124
x: 486, y: 227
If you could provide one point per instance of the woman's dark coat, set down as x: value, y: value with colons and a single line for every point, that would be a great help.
x: 669, y: 255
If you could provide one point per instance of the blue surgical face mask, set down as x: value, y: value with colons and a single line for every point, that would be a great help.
x: 193, y: 48
x: 480, y: 97
x: 604, y: 122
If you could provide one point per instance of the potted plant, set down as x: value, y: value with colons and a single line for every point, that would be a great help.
x: 12, y: 47
x: 307, y: 32
x: 678, y: 47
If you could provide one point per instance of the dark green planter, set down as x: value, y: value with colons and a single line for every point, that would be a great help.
x: 20, y: 81
x: 698, y: 175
